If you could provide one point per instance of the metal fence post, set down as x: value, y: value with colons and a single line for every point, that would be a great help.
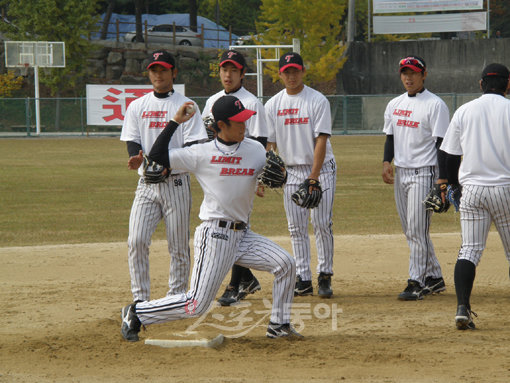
x: 344, y: 114
x: 81, y: 116
x: 27, y: 115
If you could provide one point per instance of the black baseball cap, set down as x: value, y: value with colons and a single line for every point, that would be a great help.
x: 162, y: 58
x: 230, y: 108
x: 496, y: 70
x: 234, y: 57
x: 291, y: 59
x: 413, y: 62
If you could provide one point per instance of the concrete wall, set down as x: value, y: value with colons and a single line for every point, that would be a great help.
x: 454, y: 66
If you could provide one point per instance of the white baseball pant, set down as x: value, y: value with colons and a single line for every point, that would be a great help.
x: 411, y: 188
x: 170, y: 201
x: 321, y: 217
x: 216, y: 250
x: 479, y: 207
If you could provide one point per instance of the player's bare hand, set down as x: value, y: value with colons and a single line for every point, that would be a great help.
x: 387, y: 173
x: 260, y: 192
x: 443, y: 192
x: 135, y: 161
x: 185, y: 112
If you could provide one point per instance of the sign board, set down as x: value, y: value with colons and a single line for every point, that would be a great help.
x: 107, y: 104
x: 448, y: 22
x: 404, y: 6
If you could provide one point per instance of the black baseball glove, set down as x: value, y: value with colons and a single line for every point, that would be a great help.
x: 308, y: 195
x: 453, y: 195
x: 273, y: 174
x: 153, y: 172
x: 434, y: 200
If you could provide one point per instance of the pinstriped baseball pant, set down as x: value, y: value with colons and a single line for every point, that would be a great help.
x: 321, y: 218
x: 170, y: 201
x: 479, y: 207
x: 411, y: 188
x: 216, y: 250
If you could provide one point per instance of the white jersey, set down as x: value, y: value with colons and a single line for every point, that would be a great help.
x: 256, y: 125
x: 295, y: 121
x: 229, y: 196
x: 416, y: 122
x: 148, y: 115
x: 480, y: 131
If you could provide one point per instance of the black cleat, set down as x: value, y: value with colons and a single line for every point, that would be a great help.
x: 275, y: 330
x: 230, y: 296
x: 412, y: 292
x: 248, y: 287
x: 303, y: 287
x: 463, y: 319
x: 325, y: 285
x: 130, y: 323
x: 433, y: 286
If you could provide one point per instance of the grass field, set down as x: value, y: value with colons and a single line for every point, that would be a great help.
x: 79, y: 190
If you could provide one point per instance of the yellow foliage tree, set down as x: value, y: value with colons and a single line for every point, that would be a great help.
x: 9, y: 82
x: 316, y: 24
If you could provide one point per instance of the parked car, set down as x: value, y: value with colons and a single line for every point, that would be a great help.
x: 248, y: 39
x: 164, y: 33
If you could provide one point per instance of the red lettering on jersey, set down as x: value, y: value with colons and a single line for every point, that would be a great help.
x: 285, y: 112
x: 237, y: 172
x: 403, y: 113
x: 297, y: 121
x: 409, y: 124
x: 226, y: 159
x: 154, y: 114
x: 157, y: 124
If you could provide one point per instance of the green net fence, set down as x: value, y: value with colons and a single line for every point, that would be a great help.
x: 356, y: 114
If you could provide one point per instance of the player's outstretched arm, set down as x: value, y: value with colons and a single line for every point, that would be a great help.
x: 159, y: 151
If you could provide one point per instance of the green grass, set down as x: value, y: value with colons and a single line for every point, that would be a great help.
x: 79, y: 190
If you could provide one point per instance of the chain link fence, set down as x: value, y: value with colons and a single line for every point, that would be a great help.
x: 357, y: 114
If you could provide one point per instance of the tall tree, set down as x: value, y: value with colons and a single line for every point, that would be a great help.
x: 315, y: 24
x: 138, y: 20
x: 193, y: 13
x: 241, y: 15
x: 106, y: 20
x: 70, y: 21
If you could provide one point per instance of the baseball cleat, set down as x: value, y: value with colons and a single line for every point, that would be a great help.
x: 433, y: 286
x: 303, y: 287
x: 412, y: 292
x: 325, y: 290
x: 463, y: 319
x: 130, y: 323
x: 230, y: 296
x: 275, y: 330
x: 248, y: 287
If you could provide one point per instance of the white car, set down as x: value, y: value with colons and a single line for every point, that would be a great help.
x: 164, y: 33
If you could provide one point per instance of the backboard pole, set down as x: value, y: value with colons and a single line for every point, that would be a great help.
x: 36, y: 95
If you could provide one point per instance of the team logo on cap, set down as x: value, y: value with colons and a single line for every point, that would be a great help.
x: 231, y: 54
x: 156, y: 55
x: 238, y: 104
x: 288, y: 57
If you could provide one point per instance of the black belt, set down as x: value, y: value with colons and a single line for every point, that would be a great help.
x: 236, y: 226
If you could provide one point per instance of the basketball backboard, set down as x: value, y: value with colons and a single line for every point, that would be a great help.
x: 44, y: 54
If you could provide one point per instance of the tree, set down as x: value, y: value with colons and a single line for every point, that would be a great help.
x: 70, y: 21
x: 193, y: 9
x: 138, y: 20
x: 240, y: 15
x: 9, y: 83
x: 316, y: 24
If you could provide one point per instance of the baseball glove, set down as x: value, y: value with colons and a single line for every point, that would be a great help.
x: 434, y: 200
x: 453, y: 195
x: 273, y: 174
x: 304, y: 197
x: 208, y: 122
x: 153, y: 172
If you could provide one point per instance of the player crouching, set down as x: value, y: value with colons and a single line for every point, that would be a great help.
x: 224, y: 237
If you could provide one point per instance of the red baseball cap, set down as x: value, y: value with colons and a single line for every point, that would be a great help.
x: 413, y: 62
x: 230, y: 108
x: 291, y: 59
x: 234, y: 57
x: 162, y: 58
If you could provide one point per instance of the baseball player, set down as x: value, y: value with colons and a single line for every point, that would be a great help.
x: 227, y: 169
x: 299, y: 121
x: 415, y: 123
x: 232, y: 70
x: 145, y: 118
x: 479, y: 131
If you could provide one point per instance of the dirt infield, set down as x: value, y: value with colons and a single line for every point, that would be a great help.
x: 61, y: 322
